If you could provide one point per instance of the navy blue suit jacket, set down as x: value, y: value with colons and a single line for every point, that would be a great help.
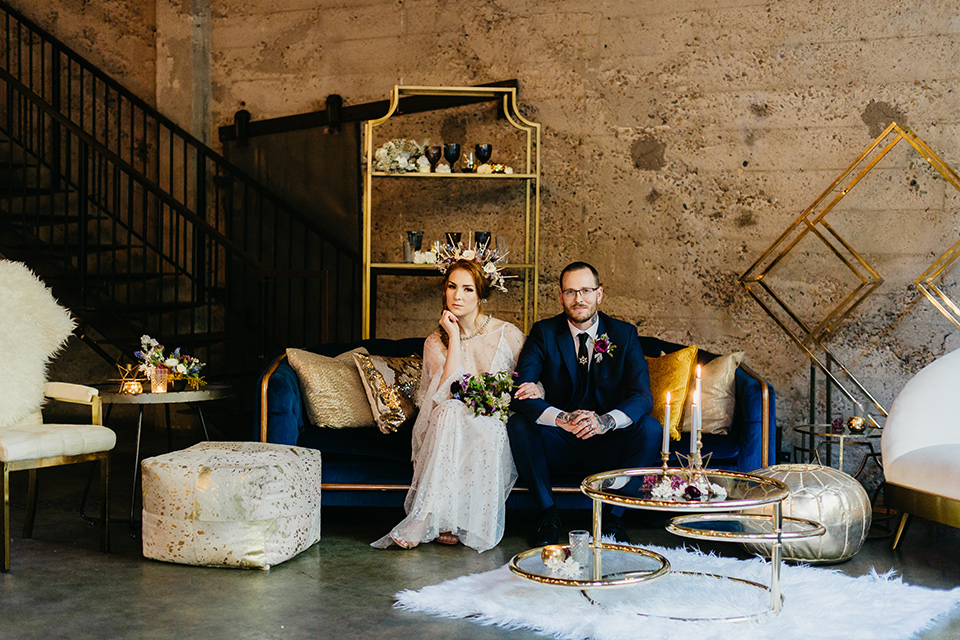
x: 619, y: 381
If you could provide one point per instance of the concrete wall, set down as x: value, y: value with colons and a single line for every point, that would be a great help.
x: 118, y: 36
x: 680, y: 138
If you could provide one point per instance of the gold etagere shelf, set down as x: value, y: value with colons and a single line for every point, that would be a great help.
x: 528, y: 267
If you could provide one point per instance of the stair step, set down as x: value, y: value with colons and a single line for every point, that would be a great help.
x: 47, y: 219
x: 17, y: 192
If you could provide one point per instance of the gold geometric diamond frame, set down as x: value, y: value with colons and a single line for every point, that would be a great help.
x: 811, y: 339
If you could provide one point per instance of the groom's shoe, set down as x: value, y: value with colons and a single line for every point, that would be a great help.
x: 613, y: 526
x: 548, y: 531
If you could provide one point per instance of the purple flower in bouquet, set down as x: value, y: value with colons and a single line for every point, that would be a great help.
x: 488, y: 394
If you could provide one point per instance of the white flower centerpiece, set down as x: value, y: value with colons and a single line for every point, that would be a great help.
x: 688, y: 486
x: 400, y: 155
x: 179, y: 366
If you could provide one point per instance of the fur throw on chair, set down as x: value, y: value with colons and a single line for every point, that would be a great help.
x: 33, y: 328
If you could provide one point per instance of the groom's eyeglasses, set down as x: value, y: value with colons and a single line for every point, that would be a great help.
x: 571, y: 294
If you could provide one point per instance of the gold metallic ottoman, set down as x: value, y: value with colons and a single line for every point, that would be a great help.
x: 231, y: 504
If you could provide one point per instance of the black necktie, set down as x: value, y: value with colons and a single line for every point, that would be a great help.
x: 583, y: 358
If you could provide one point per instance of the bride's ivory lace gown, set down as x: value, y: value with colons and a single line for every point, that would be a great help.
x: 462, y: 466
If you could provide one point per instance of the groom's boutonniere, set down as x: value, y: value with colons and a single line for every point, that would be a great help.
x: 602, y: 347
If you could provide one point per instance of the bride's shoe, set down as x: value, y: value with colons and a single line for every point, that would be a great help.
x: 448, y: 538
x: 403, y: 544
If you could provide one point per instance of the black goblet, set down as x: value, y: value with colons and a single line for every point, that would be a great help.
x: 433, y: 156
x: 481, y: 238
x: 483, y: 152
x: 451, y: 151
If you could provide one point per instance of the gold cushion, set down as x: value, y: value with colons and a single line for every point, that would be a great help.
x: 672, y: 372
x: 391, y: 385
x: 719, y: 390
x: 332, y: 390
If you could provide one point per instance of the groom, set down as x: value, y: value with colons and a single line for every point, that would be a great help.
x: 595, y: 413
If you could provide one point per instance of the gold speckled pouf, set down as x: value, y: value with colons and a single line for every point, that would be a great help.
x: 233, y: 504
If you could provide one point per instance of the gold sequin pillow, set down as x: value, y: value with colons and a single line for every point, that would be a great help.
x: 718, y: 383
x: 391, y: 385
x: 332, y: 391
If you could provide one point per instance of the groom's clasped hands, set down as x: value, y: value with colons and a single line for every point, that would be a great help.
x: 581, y: 423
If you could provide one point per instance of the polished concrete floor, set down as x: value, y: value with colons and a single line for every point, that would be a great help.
x: 61, y: 586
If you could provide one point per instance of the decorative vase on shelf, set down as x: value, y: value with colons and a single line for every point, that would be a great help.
x: 453, y: 239
x: 467, y: 164
x: 416, y: 239
x: 481, y: 238
x: 178, y: 385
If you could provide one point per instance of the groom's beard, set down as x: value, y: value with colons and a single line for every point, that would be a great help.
x: 581, y: 313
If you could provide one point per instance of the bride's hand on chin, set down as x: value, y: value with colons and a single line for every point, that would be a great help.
x: 450, y: 323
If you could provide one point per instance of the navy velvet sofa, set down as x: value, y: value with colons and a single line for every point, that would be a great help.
x: 364, y: 467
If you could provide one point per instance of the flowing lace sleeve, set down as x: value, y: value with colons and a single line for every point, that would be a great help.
x: 432, y: 389
x: 513, y: 340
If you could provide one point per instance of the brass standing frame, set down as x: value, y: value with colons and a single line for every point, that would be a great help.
x: 530, y: 266
x: 812, y: 338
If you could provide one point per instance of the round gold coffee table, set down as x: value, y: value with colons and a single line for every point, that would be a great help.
x: 716, y: 519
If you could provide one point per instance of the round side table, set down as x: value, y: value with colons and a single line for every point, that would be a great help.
x: 191, y: 398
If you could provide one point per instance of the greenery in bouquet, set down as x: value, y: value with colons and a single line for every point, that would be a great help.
x: 488, y: 394
x: 400, y: 155
x: 180, y: 365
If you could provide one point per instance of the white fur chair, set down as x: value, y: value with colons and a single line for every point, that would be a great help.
x: 33, y: 327
x: 921, y: 446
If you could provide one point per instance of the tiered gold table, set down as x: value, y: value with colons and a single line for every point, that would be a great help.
x: 614, y: 565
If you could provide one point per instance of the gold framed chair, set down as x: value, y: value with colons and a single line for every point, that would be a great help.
x: 33, y: 328
x: 33, y: 445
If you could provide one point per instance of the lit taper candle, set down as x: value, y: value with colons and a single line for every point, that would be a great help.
x: 665, y: 448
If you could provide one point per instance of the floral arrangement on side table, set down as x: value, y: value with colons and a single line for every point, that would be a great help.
x: 179, y: 365
x: 488, y: 394
x: 685, y: 487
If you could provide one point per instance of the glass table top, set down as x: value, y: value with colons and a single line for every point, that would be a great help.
x: 826, y: 431
x: 740, y: 527
x: 631, y: 488
x: 612, y: 565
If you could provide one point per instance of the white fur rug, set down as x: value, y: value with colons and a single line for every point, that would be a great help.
x: 818, y: 603
x: 33, y: 327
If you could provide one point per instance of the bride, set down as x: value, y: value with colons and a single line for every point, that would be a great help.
x: 462, y: 466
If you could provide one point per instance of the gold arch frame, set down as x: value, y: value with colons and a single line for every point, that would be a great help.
x: 811, y: 339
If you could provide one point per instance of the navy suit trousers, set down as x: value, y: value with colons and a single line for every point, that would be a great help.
x: 540, y: 451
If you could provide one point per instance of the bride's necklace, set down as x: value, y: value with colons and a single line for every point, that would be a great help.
x: 479, y: 331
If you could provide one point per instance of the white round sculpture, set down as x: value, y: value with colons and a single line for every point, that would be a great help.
x: 825, y: 495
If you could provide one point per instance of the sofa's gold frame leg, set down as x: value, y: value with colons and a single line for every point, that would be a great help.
x: 901, y: 529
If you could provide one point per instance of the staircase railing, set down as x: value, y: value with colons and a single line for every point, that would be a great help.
x: 159, y: 227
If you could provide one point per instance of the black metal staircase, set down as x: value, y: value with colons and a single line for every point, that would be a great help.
x: 141, y: 229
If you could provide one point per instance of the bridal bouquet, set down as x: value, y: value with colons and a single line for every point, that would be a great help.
x: 488, y: 394
x: 180, y: 365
